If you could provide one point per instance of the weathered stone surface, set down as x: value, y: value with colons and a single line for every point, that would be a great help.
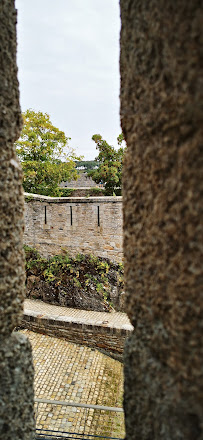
x: 11, y: 195
x: 151, y: 389
x: 76, y: 373
x: 161, y: 111
x: 72, y: 224
x: 16, y: 371
x: 108, y: 339
x: 16, y: 389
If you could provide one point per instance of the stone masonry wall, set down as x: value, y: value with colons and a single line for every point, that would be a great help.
x: 83, y: 181
x: 16, y: 369
x: 161, y: 116
x: 107, y: 338
x: 78, y: 225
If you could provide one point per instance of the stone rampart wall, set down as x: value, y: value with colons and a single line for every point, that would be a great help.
x: 78, y: 225
x: 83, y: 181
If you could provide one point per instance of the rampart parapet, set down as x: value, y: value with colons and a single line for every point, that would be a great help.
x: 89, y: 225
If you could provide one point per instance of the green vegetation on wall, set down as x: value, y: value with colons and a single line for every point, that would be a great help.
x: 83, y: 281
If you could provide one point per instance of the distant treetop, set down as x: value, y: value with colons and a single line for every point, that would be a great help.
x: 109, y: 165
x: 86, y: 164
x: 46, y: 157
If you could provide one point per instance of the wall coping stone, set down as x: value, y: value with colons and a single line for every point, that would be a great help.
x: 48, y: 199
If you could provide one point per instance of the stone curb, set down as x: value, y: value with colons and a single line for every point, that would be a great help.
x: 106, y: 337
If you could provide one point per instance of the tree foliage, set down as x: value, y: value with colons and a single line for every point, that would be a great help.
x: 86, y: 164
x: 45, y: 155
x: 109, y: 161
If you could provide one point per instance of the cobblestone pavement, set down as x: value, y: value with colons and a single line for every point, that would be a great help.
x: 74, y: 373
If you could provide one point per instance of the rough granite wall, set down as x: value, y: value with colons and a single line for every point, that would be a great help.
x: 161, y: 116
x: 79, y: 225
x: 16, y: 388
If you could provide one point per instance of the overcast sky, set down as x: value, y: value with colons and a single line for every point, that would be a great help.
x: 68, y: 60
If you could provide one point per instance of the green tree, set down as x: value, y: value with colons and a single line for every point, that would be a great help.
x: 45, y: 155
x: 109, y: 162
x: 87, y: 164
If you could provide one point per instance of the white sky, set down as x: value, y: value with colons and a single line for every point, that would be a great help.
x: 68, y: 60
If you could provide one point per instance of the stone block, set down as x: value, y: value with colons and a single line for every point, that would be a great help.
x: 11, y: 199
x: 16, y: 389
x: 161, y: 115
x: 170, y: 412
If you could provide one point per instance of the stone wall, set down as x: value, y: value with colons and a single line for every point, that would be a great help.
x: 78, y: 225
x: 161, y: 115
x: 83, y: 181
x: 82, y: 192
x: 16, y: 369
x: 109, y: 338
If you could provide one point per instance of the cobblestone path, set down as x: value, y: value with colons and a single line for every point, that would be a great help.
x: 74, y: 373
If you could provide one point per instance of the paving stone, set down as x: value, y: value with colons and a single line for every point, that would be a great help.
x: 92, y: 378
